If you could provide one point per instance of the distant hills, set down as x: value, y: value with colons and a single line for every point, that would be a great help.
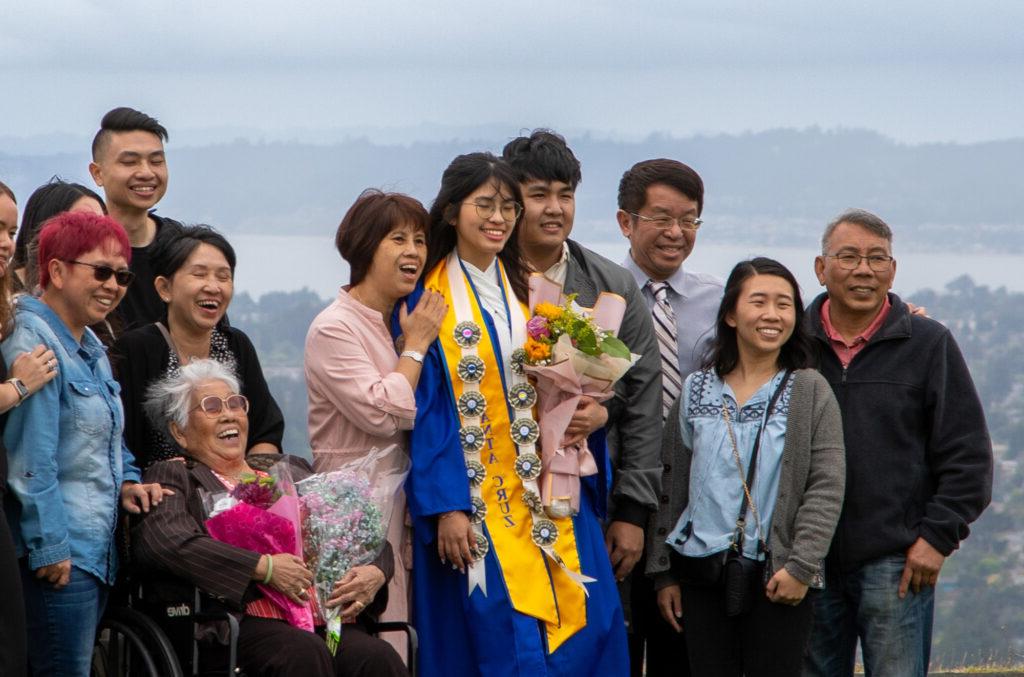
x: 775, y: 187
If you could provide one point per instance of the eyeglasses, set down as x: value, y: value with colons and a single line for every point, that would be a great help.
x: 879, y: 263
x: 510, y: 209
x: 666, y: 222
x: 213, y: 406
x: 102, y: 273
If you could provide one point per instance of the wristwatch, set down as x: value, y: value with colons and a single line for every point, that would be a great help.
x: 20, y: 387
x: 413, y: 355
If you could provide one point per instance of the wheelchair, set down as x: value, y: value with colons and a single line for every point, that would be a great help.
x: 157, y: 635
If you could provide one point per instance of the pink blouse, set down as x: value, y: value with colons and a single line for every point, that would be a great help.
x: 356, y: 399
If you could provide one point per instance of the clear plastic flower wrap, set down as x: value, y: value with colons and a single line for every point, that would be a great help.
x: 262, y: 514
x: 345, y: 515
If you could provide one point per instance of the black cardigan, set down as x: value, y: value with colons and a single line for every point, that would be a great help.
x: 141, y: 356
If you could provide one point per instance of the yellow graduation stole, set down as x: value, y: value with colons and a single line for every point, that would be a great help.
x: 502, y: 466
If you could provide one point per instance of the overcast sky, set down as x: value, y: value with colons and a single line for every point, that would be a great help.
x: 916, y: 70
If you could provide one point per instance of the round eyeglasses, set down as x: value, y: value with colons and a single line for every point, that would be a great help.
x: 509, y: 209
x: 213, y: 406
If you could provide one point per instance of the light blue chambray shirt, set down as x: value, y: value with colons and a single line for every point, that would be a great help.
x: 66, y: 451
x: 716, y: 491
x: 695, y: 298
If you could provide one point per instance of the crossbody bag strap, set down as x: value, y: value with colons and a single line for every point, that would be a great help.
x: 752, y: 471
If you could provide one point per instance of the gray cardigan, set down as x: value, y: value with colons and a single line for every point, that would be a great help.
x: 810, y: 486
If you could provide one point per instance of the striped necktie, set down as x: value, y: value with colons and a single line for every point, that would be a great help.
x: 668, y: 346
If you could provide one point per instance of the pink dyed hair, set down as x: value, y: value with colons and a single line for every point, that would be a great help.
x: 67, y: 236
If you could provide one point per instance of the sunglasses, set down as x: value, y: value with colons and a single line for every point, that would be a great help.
x: 102, y: 273
x: 213, y: 406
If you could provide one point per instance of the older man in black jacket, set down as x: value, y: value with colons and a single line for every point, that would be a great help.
x: 918, y: 457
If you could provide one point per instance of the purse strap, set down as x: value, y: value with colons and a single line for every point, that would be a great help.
x: 748, y: 499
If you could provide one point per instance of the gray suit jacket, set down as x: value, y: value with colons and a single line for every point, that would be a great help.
x: 634, y: 414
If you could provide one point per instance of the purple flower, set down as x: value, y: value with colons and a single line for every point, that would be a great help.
x: 537, y: 327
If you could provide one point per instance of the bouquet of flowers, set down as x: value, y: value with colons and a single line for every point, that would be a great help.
x: 345, y: 515
x: 262, y: 514
x: 571, y: 352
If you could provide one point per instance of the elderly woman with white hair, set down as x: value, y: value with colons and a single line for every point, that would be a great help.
x: 202, y: 409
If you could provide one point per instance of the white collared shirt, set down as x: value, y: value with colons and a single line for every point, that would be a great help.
x: 557, y: 272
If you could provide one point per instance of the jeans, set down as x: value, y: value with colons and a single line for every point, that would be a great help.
x: 895, y: 634
x: 62, y: 623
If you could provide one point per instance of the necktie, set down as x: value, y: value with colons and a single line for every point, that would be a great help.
x: 668, y: 346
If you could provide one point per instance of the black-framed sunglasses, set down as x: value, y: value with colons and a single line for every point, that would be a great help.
x: 103, y: 273
x: 213, y: 406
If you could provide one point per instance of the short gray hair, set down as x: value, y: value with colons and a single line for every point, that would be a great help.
x: 858, y: 217
x: 170, y: 398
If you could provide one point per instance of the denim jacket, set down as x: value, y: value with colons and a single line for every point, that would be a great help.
x: 66, y: 450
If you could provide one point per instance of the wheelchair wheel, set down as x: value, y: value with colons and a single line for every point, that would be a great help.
x: 129, y: 644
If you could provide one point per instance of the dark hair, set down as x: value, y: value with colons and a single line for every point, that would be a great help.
x: 5, y: 284
x: 638, y: 178
x: 543, y: 155
x: 858, y: 217
x: 67, y: 236
x: 465, y: 174
x: 723, y: 354
x: 125, y: 120
x: 368, y: 221
x: 174, y: 244
x: 47, y: 201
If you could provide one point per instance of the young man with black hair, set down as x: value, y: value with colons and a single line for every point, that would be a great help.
x: 129, y: 164
x: 548, y: 173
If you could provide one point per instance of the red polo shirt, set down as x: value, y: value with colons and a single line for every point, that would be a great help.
x: 847, y: 351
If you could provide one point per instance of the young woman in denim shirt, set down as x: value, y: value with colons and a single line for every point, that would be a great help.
x: 69, y: 468
x: 756, y: 390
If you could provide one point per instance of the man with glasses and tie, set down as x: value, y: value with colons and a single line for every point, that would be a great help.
x: 660, y: 203
x: 548, y: 174
x: 918, y: 457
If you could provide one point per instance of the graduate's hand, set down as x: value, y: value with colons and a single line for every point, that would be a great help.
x: 455, y: 539
x: 670, y: 603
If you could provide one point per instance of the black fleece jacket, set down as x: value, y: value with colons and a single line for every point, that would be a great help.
x: 918, y: 453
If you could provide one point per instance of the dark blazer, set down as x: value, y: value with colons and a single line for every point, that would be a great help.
x: 634, y: 415
x: 171, y: 538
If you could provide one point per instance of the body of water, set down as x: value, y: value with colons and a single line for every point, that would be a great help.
x: 284, y: 263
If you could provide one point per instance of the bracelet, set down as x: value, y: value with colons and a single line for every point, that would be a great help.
x: 414, y: 355
x: 270, y: 570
